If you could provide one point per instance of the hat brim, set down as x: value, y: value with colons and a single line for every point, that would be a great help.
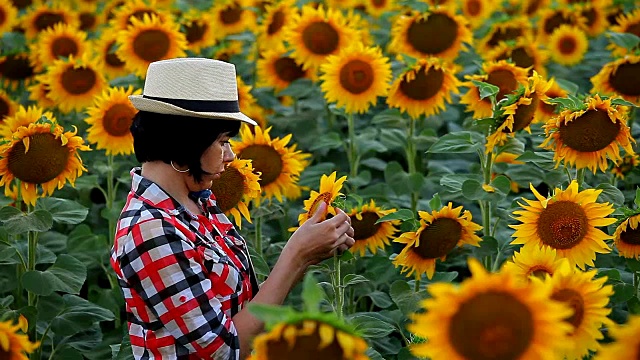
x: 145, y: 104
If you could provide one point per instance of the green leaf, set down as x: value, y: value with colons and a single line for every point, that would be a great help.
x: 404, y: 297
x: 571, y: 87
x: 66, y: 275
x: 331, y: 140
x: 435, y: 203
x: 402, y: 215
x: 122, y: 351
x: 458, y: 142
x: 610, y: 194
x: 562, y: 102
x: 625, y: 40
x: 259, y: 263
x: 637, y: 198
x: 389, y: 118
x: 488, y: 247
x: 502, y: 184
x: 312, y: 293
x: 77, y: 315
x: 416, y: 182
x: 6, y: 301
x: 63, y: 211
x: 393, y: 138
x: 634, y: 305
x: 353, y: 279
x: 622, y: 292
x: 397, y: 178
x: 633, y: 265
x: 611, y: 274
x: 380, y: 299
x: 472, y: 190
x: 370, y: 327
x: 623, y: 102
x: 444, y: 276
x: 486, y: 89
x: 512, y: 146
x: 17, y: 222
x: 270, y: 314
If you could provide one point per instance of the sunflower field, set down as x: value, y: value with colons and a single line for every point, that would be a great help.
x: 484, y: 150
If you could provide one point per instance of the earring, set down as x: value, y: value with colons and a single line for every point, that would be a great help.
x: 180, y: 171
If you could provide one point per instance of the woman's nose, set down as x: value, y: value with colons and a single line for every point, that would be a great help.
x: 228, y: 155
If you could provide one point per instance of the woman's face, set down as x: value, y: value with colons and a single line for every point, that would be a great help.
x: 213, y: 161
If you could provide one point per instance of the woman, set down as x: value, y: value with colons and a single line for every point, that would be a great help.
x: 184, y: 270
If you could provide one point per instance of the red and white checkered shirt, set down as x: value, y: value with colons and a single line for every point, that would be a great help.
x: 182, y: 282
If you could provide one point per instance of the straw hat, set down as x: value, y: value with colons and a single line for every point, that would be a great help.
x: 197, y: 87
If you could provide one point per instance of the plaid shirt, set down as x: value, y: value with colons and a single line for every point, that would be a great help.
x: 182, y: 282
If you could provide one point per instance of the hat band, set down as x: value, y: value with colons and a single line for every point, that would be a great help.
x: 222, y: 106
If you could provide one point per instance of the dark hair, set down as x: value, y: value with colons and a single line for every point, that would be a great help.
x: 178, y: 139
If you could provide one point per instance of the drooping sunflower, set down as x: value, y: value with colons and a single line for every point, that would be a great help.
x: 368, y: 234
x: 547, y: 110
x: 235, y: 188
x: 277, y: 17
x: 149, y: 40
x: 197, y: 27
x: 490, y: 316
x: 618, y: 77
x: 355, y: 77
x: 8, y: 16
x: 377, y: 8
x: 518, y: 114
x: 315, y: 34
x: 329, y: 191
x: 110, y: 118
x: 14, y: 343
x: 73, y: 82
x: 588, y: 298
x: 551, y: 19
x: 533, y: 260
x: 279, y: 165
x: 112, y: 66
x: 504, y: 31
x: 423, y: 89
x: 41, y: 155
x: 627, y: 237
x: 477, y: 11
x: 136, y: 9
x: 43, y: 15
x: 39, y: 92
x: 232, y: 17
x: 15, y: 70
x: 627, y: 23
x: 8, y: 106
x: 524, y: 52
x: 568, y: 44
x: 438, y: 32
x: 626, y: 344
x: 440, y: 232
x: 57, y: 42
x: 623, y: 167
x: 586, y: 137
x: 288, y: 340
x: 23, y: 117
x: 567, y: 222
x: 278, y: 70
x: 505, y: 75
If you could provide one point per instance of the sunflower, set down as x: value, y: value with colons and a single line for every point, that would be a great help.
x: 41, y: 153
x: 110, y: 118
x: 279, y: 166
x: 568, y: 44
x: 490, y: 316
x: 623, y: 167
x: 89, y: 17
x: 8, y: 16
x: 232, y: 17
x: 149, y: 40
x: 136, y: 9
x: 377, y: 8
x: 551, y: 19
x: 323, y: 340
x: 42, y: 16
x: 587, y: 137
x: 198, y: 30
x: 618, y: 77
x: 111, y: 7
x: 227, y: 50
x: 477, y: 11
x: 595, y: 16
x: 22, y: 117
x: 567, y: 222
x: 237, y: 185
x: 355, y: 20
x: 8, y: 106
x: 277, y: 17
x: 342, y: 4
x: 533, y: 260
x: 15, y: 69
x: 438, y: 234
x: 627, y: 237
x: 545, y: 109
x: 329, y: 192
x: 367, y: 233
x: 248, y: 103
x: 531, y: 7
x: 424, y: 88
x: 112, y: 66
x: 508, y: 30
x: 39, y: 92
x: 505, y: 75
x: 627, y: 23
x: 626, y: 344
x: 355, y: 77
x: 519, y: 114
x: 315, y: 34
x: 278, y: 70
x: 73, y: 82
x: 57, y: 42
x: 14, y: 344
x: 523, y: 52
x: 438, y: 32
x: 588, y: 298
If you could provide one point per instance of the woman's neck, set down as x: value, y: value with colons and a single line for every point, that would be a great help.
x: 170, y: 181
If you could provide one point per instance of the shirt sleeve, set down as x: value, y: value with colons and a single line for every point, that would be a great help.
x: 160, y: 264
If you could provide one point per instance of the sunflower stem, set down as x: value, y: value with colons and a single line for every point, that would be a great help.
x: 110, y: 199
x: 632, y: 117
x: 580, y: 177
x: 411, y: 163
x: 337, y: 285
x: 416, y: 286
x: 353, y: 150
x: 258, y: 242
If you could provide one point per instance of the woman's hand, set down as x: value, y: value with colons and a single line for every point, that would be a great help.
x: 317, y: 240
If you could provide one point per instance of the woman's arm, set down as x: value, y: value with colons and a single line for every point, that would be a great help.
x: 313, y: 242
